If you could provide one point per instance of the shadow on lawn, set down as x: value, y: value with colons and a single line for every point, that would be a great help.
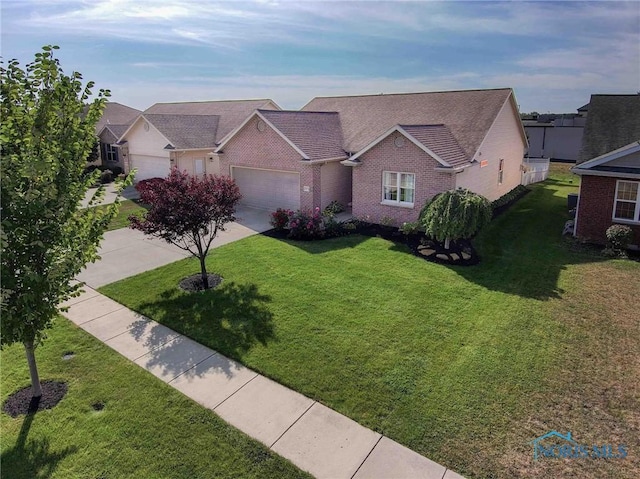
x: 229, y: 319
x: 523, y: 252
x: 32, y: 458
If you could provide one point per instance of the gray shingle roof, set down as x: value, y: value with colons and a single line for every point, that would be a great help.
x: 116, y: 114
x: 613, y: 122
x: 186, y: 131
x: 317, y: 134
x: 231, y: 112
x: 468, y: 114
x: 438, y: 138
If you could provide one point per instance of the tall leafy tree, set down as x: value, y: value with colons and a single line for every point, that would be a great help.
x: 46, y: 238
x: 455, y: 214
x: 188, y: 211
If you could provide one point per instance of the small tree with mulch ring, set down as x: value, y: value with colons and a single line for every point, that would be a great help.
x: 455, y: 214
x: 188, y: 211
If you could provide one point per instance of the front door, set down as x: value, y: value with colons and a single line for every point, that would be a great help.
x: 198, y: 166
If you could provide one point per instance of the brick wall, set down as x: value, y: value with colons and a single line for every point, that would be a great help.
x: 267, y: 149
x: 385, y: 156
x: 595, y: 209
x: 335, y: 184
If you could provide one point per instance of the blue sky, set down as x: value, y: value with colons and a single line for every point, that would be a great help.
x: 553, y: 54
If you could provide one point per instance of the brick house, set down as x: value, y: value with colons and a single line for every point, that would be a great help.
x: 609, y: 168
x: 182, y: 135
x: 609, y: 194
x: 287, y: 159
x: 406, y: 148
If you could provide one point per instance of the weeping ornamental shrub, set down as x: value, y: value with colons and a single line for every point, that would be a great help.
x: 455, y: 214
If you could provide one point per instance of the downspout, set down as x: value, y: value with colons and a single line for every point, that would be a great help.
x: 575, y: 223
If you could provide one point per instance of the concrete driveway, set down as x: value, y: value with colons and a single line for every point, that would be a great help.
x: 129, y: 193
x: 126, y: 252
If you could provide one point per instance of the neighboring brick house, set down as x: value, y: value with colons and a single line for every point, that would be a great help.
x: 182, y: 135
x: 609, y: 194
x: 287, y: 159
x: 406, y: 148
x: 115, y: 120
x: 609, y: 168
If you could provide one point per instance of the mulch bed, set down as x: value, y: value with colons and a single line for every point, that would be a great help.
x: 22, y: 401
x: 459, y: 253
x: 194, y: 283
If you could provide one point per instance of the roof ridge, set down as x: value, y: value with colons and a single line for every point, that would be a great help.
x: 411, y: 93
x: 179, y: 114
x: 300, y: 111
x: 422, y: 124
x: 209, y: 101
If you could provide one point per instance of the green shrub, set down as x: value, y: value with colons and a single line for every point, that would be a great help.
x: 619, y: 237
x: 507, y: 198
x: 410, y: 227
x: 333, y: 209
x: 332, y: 228
x: 106, y: 176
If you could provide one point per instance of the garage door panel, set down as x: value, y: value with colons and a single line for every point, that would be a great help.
x: 149, y: 167
x: 268, y: 189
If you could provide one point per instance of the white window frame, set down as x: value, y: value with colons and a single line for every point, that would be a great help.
x: 636, y: 211
x: 398, y: 202
x: 500, y: 171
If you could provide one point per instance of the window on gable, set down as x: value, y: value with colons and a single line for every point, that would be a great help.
x: 398, y: 188
x: 627, y: 201
x: 109, y: 153
x: 500, y: 171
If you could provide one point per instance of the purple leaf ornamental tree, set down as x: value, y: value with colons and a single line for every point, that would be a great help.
x: 188, y: 211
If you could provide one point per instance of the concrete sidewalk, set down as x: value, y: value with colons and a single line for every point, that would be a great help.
x: 312, y: 436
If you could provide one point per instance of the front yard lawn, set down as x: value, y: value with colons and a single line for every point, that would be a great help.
x: 146, y: 429
x: 127, y: 208
x: 465, y: 365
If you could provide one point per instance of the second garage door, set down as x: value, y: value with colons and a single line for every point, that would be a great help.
x: 149, y: 167
x: 268, y: 189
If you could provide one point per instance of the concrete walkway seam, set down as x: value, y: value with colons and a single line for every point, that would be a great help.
x: 292, y: 424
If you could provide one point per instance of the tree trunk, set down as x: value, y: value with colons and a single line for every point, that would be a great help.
x: 33, y: 369
x: 203, y: 271
x: 447, y: 242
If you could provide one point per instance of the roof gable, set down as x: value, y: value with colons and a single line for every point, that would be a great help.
x: 623, y: 162
x: 434, y: 140
x: 468, y: 114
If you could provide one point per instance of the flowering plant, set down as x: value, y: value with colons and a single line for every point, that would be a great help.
x: 280, y: 219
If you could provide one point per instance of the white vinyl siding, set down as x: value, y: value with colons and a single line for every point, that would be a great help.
x: 398, y: 188
x: 626, y: 207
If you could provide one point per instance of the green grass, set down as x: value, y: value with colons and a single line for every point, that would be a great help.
x: 463, y: 365
x: 146, y: 430
x: 127, y: 208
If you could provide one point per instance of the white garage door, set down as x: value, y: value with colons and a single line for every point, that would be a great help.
x: 149, y: 167
x: 268, y: 189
